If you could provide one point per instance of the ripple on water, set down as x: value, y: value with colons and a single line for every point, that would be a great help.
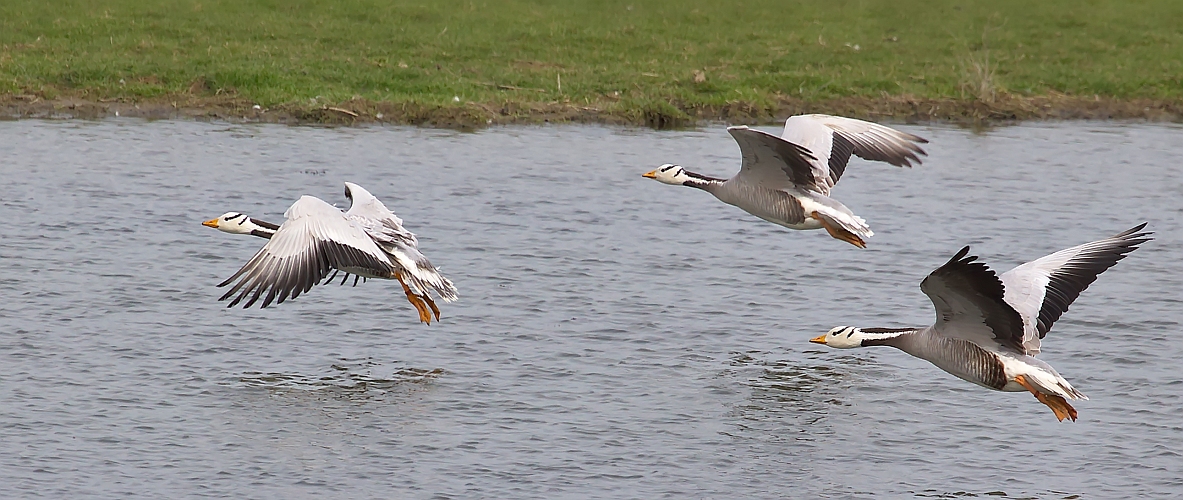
x: 615, y: 337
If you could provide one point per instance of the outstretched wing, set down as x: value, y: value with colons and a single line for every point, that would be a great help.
x: 968, y: 297
x: 387, y: 230
x: 1042, y: 290
x: 366, y: 206
x: 832, y: 139
x: 315, y: 238
x: 772, y: 162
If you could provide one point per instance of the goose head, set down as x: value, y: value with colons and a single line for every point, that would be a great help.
x: 841, y: 337
x: 669, y: 174
x: 849, y: 337
x: 237, y: 223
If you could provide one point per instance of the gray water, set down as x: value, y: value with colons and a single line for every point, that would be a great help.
x: 615, y: 337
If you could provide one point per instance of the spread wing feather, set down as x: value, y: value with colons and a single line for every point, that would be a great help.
x: 315, y: 239
x: 832, y: 139
x: 772, y: 162
x: 968, y: 297
x: 1042, y: 290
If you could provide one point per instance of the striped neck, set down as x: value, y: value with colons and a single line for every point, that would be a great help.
x: 696, y: 180
x: 263, y: 229
x: 884, y: 336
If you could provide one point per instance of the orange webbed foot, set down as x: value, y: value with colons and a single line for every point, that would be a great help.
x: 415, y: 300
x: 839, y: 233
x: 431, y: 304
x: 1058, y: 404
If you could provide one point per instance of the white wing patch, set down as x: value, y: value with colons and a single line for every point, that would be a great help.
x: 1042, y: 290
x: 832, y: 139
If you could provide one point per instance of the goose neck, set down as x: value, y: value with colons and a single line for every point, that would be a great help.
x: 705, y: 183
x: 894, y: 337
x: 262, y: 229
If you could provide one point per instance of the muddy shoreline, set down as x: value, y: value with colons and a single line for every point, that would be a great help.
x: 473, y: 115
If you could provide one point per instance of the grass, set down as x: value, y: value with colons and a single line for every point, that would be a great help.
x: 636, y: 61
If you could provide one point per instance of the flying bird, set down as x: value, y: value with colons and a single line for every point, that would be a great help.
x: 368, y: 241
x: 989, y: 327
x: 786, y: 180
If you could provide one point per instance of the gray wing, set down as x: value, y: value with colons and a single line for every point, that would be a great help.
x: 1042, y: 290
x: 772, y: 162
x: 968, y: 297
x: 832, y: 139
x: 315, y: 238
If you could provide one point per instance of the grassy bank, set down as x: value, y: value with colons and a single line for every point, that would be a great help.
x: 659, y: 62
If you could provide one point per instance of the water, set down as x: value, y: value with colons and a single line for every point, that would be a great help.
x: 615, y: 338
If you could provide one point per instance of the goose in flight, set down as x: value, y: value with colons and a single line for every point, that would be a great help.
x: 368, y: 241
x: 786, y: 180
x: 989, y: 327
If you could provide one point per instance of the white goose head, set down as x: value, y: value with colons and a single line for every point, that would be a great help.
x: 669, y: 174
x: 849, y: 337
x: 239, y: 223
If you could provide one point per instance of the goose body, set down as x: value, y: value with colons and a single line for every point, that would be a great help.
x: 367, y: 241
x: 787, y: 180
x: 989, y: 327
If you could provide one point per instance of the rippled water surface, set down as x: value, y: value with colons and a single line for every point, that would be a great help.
x: 615, y: 337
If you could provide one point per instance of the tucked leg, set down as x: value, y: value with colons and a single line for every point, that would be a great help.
x: 1058, y: 404
x: 838, y: 232
x: 424, y: 314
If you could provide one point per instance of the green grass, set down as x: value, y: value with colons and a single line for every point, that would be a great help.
x: 629, y: 56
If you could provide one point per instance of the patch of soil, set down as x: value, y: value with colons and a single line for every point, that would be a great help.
x: 472, y: 115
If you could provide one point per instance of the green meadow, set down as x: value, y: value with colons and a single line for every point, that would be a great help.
x: 612, y: 58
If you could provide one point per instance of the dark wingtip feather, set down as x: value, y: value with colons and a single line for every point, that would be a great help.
x: 1134, y: 233
x: 961, y: 253
x: 1067, y: 283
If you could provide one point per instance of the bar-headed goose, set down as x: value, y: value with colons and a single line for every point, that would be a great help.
x: 988, y: 327
x: 786, y: 180
x: 368, y: 241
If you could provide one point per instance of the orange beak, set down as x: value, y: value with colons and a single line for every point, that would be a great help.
x: 820, y: 339
x: 211, y: 223
x: 652, y: 174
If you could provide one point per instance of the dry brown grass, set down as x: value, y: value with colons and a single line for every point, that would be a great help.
x: 978, y: 80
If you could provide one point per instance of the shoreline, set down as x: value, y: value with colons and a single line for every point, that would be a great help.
x: 1004, y: 109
